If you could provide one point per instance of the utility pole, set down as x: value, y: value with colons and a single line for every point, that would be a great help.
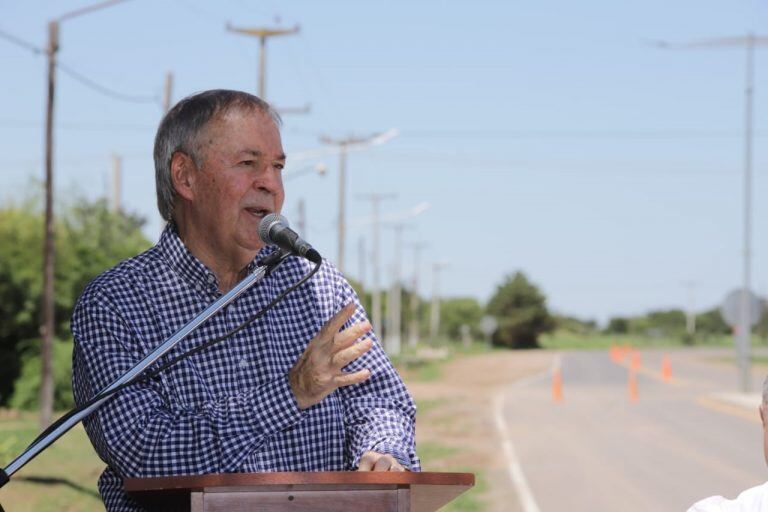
x: 434, y: 317
x: 690, y: 316
x: 413, y: 338
x: 49, y: 254
x: 361, y: 263
x: 263, y: 33
x: 375, y: 199
x: 302, y: 224
x: 344, y: 145
x: 168, y: 92
x: 117, y: 178
x: 394, y: 333
x: 745, y: 324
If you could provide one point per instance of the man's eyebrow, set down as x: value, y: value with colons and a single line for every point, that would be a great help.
x: 257, y: 153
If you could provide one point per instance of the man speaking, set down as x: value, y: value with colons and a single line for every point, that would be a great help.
x: 305, y: 388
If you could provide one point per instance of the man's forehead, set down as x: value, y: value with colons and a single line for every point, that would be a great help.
x: 252, y: 130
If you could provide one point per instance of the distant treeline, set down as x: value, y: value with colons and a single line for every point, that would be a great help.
x: 668, y: 323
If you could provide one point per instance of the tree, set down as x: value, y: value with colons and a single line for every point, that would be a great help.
x: 574, y: 325
x: 456, y: 312
x: 89, y: 239
x: 521, y: 312
x: 617, y: 325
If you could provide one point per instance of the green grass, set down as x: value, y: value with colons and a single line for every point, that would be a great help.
x: 431, y: 452
x: 567, y: 341
x: 63, y: 478
x: 469, y: 501
x: 424, y: 406
x: 434, y: 457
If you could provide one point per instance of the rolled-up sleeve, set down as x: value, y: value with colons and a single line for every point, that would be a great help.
x: 380, y: 414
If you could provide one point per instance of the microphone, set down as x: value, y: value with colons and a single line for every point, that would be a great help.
x: 274, y: 230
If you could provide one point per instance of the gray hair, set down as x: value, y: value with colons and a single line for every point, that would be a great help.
x: 181, y: 126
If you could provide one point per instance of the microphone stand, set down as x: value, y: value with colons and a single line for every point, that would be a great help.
x: 268, y: 265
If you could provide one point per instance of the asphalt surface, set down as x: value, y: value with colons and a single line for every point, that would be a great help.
x: 598, y: 450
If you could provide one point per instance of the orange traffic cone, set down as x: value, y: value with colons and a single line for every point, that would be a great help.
x: 666, y: 368
x: 615, y: 353
x: 557, y: 384
x: 633, y: 395
x: 635, y: 364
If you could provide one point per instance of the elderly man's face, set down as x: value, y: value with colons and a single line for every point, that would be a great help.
x: 240, y: 180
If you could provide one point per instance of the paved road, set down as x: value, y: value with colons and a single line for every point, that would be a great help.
x: 598, y: 451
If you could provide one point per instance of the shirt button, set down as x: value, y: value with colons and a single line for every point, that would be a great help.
x: 243, y: 363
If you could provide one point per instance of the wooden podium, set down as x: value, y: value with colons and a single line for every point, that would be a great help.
x: 332, y: 491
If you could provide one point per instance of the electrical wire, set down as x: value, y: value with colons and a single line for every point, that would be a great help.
x: 20, y: 42
x: 84, y: 80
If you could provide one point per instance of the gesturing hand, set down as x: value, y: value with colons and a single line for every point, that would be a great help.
x: 318, y: 373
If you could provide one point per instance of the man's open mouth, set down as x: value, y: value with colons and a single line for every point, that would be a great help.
x: 258, y: 212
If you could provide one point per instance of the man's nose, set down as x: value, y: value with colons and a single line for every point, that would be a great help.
x: 269, y: 179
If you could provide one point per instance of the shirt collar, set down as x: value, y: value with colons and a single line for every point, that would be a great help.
x: 191, y: 269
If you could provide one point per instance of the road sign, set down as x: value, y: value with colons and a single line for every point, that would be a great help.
x: 731, y: 307
x: 488, y: 325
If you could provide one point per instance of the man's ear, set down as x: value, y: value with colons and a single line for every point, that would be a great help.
x: 183, y: 174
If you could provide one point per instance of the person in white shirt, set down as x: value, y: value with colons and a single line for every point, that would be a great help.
x: 753, y: 499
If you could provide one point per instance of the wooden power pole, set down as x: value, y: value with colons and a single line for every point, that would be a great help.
x: 263, y: 33
x: 46, y: 329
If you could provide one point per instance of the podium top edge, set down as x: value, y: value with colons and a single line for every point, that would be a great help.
x: 199, y: 482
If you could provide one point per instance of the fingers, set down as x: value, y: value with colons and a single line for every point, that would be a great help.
x: 348, y: 336
x: 348, y: 379
x: 387, y: 463
x: 346, y: 356
x: 367, y: 461
x: 373, y: 461
x: 333, y: 325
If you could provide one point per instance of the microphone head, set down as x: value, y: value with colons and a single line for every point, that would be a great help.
x: 266, y: 225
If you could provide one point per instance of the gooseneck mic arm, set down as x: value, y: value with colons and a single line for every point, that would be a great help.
x: 135, y: 373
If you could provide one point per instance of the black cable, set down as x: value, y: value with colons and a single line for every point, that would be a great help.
x: 104, y: 90
x: 20, y: 42
x: 146, y: 375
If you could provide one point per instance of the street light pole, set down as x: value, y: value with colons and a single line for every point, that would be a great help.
x: 745, y: 322
x: 413, y: 338
x: 344, y: 145
x: 376, y: 198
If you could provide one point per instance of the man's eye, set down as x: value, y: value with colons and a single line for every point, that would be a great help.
x: 279, y: 167
x: 246, y: 162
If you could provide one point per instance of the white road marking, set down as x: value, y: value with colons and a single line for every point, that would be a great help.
x: 527, y: 501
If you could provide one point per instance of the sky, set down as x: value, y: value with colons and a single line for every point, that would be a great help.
x: 550, y: 137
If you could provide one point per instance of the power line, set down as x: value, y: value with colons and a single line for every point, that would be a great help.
x: 22, y: 43
x: 84, y: 80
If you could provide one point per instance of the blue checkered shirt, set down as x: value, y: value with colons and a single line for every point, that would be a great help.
x: 230, y: 407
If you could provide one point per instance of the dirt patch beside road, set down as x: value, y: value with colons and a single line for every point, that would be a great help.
x: 455, y: 427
